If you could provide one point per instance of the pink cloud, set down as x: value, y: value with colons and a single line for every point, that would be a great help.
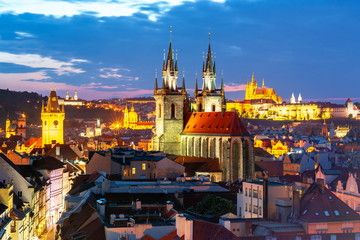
x: 233, y: 87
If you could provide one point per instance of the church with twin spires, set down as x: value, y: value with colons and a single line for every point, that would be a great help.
x: 204, y: 131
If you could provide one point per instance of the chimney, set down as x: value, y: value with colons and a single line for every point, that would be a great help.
x: 296, y: 204
x: 137, y: 204
x: 169, y: 205
x: 57, y: 150
x: 112, y: 219
x: 180, y: 225
x: 100, y: 204
x: 188, y: 230
x: 265, y: 198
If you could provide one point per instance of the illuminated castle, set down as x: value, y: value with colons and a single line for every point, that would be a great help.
x: 253, y: 92
x: 209, y: 132
x: 17, y: 127
x: 132, y: 120
x: 52, y: 117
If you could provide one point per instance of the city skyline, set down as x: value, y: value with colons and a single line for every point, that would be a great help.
x: 108, y: 49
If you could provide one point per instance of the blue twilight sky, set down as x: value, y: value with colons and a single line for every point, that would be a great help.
x: 112, y: 48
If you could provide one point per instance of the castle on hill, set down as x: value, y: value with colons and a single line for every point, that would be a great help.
x: 254, y: 92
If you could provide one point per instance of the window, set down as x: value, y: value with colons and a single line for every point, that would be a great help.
x: 246, y: 207
x: 143, y: 166
x: 246, y: 192
x: 336, y: 212
x: 159, y: 110
x: 172, y: 111
x: 133, y: 170
x: 213, y: 108
x: 19, y: 193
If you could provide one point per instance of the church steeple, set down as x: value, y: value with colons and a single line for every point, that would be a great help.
x: 209, y: 75
x: 170, y: 70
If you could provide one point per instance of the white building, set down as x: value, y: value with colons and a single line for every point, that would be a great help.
x: 257, y: 201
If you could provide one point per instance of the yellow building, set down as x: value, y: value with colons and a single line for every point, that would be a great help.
x: 132, y: 120
x: 253, y: 92
x: 278, y: 148
x: 52, y: 117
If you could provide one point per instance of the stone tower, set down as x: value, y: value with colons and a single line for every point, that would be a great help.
x: 52, y: 117
x: 21, y: 125
x: 209, y: 98
x: 171, y: 107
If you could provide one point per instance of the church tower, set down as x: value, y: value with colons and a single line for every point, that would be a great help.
x: 251, y: 88
x: 209, y: 98
x: 171, y: 107
x: 7, y: 127
x: 126, y: 117
x: 52, y: 117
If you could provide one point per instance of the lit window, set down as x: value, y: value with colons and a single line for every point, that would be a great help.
x: 133, y: 170
x: 143, y: 166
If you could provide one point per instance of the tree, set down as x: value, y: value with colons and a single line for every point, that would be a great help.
x: 213, y: 205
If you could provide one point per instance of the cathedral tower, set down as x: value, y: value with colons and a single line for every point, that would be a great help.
x: 171, y: 107
x: 209, y: 98
x: 52, y: 117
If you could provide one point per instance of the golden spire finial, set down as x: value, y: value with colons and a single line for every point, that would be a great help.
x: 209, y: 34
x: 170, y: 33
x: 253, y: 77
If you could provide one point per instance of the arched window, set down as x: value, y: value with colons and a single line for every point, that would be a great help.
x: 159, y: 110
x: 172, y: 110
x: 213, y: 107
x: 200, y: 108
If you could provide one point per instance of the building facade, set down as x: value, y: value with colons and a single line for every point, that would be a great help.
x: 52, y: 117
x: 209, y: 131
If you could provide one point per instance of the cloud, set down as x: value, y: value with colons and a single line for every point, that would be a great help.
x: 38, y: 61
x: 107, y: 8
x: 94, y: 85
x: 114, y: 73
x: 38, y: 76
x: 21, y: 35
x: 233, y: 87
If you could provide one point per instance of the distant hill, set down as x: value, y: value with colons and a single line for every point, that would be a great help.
x: 14, y: 103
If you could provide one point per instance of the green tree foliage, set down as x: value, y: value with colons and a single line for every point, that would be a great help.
x: 213, y: 205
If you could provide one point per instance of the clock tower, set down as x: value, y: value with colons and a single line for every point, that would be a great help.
x: 52, y: 118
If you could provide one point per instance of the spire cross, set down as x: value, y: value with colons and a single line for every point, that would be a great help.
x: 170, y: 33
x: 209, y: 34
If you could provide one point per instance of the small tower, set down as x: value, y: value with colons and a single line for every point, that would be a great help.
x: 67, y: 95
x: 324, y: 130
x: 299, y: 98
x: 21, y: 125
x: 75, y: 95
x: 126, y: 117
x: 292, y: 99
x: 52, y: 117
x: 210, y: 99
x: 251, y: 87
x: 7, y: 127
x: 171, y: 106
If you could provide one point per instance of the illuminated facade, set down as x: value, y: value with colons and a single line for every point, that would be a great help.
x: 209, y: 132
x: 254, y: 92
x: 17, y: 127
x: 132, y: 120
x: 52, y: 117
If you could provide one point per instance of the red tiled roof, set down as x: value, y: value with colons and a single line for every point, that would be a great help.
x: 319, y: 204
x: 227, y: 123
x: 273, y: 168
x: 205, y: 230
x: 198, y: 164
